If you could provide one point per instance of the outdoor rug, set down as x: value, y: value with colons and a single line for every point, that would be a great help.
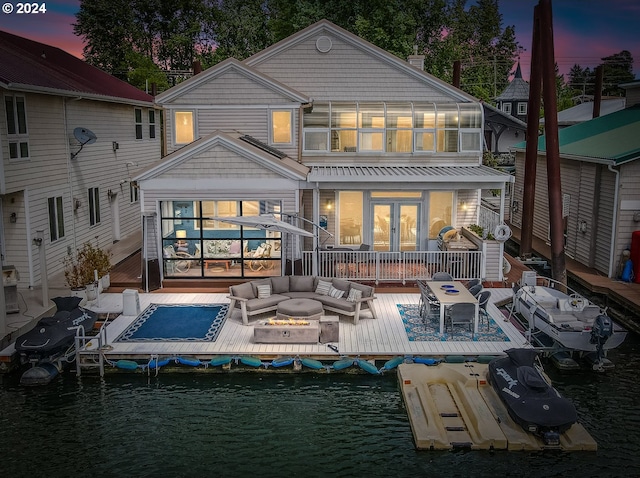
x: 176, y: 323
x: 420, y: 331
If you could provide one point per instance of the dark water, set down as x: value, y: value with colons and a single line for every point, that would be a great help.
x: 285, y: 425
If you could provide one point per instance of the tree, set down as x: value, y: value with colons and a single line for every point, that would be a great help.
x: 618, y: 69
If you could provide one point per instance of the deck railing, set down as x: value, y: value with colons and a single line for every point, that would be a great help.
x: 393, y: 266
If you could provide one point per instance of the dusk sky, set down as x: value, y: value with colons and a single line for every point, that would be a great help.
x: 584, y: 30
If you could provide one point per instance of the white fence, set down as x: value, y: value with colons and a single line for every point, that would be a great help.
x: 393, y: 266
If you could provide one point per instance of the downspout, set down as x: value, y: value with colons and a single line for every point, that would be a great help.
x: 614, y: 219
x: 301, y: 109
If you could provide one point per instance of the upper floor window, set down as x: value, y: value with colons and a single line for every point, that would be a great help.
x: 17, y: 133
x: 522, y: 108
x: 152, y: 124
x: 393, y: 127
x: 281, y: 127
x: 138, y: 118
x: 184, y: 127
x: 133, y: 191
x: 506, y: 108
x: 56, y: 218
x: 94, y: 206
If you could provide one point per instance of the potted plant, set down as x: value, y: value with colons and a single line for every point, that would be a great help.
x: 80, y: 270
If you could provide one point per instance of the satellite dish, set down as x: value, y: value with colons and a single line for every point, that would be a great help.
x: 84, y: 136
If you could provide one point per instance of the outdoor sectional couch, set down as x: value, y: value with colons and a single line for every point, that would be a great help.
x: 245, y: 296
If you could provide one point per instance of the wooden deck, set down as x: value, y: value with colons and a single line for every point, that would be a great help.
x: 380, y: 338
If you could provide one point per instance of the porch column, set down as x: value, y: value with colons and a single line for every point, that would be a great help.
x: 316, y: 231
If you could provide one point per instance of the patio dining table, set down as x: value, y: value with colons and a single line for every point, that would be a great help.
x: 448, y: 299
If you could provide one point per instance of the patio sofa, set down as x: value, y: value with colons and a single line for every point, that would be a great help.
x: 252, y: 299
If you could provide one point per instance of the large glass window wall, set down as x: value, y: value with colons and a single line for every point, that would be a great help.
x: 393, y: 127
x: 197, y: 243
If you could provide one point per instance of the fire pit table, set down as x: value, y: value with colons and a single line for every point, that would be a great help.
x: 286, y: 331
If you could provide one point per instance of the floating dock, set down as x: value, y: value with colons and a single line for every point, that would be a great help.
x: 452, y: 405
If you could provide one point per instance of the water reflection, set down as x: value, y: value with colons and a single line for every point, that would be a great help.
x: 285, y: 425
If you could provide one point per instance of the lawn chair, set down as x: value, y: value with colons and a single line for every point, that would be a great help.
x: 483, y: 300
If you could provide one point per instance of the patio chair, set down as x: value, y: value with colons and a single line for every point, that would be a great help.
x: 473, y: 282
x: 462, y: 314
x: 428, y: 306
x: 443, y: 276
x: 362, y: 259
x: 260, y: 258
x: 475, y: 290
x: 178, y: 261
x: 483, y: 300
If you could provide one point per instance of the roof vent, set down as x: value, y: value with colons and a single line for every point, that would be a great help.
x: 323, y: 44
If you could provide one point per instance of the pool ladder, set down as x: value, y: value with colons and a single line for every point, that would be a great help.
x: 89, y: 355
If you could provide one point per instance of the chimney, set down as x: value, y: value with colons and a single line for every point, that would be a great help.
x: 197, y: 67
x: 415, y: 59
x: 456, y: 73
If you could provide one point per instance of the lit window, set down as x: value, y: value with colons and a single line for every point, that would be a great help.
x: 94, y: 206
x: 184, y: 127
x: 350, y: 204
x: 56, y: 218
x: 440, y: 207
x: 138, y: 117
x: 17, y: 134
x: 281, y: 127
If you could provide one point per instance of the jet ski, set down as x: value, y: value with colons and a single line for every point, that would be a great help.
x: 530, y: 400
x: 53, y: 335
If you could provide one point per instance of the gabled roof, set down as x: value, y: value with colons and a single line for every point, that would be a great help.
x: 230, y: 64
x: 27, y: 65
x: 584, y: 111
x: 611, y: 138
x: 518, y: 89
x: 325, y: 26
x: 284, y: 166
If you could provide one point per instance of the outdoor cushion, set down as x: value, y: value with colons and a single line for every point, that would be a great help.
x: 341, y: 284
x: 323, y: 287
x: 244, y: 291
x: 302, y: 295
x: 279, y: 284
x: 256, y: 283
x: 271, y: 301
x: 354, y: 294
x: 337, y: 303
x: 264, y: 291
x: 301, y: 283
x: 367, y: 291
x: 335, y: 293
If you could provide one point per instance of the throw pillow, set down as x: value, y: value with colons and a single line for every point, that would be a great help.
x: 354, y: 294
x: 335, y: 293
x: 323, y: 287
x: 264, y: 291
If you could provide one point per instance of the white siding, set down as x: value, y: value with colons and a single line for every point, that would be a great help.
x: 345, y: 73
x: 50, y: 172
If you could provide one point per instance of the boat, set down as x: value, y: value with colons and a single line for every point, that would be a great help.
x: 52, y: 336
x: 529, y: 398
x: 569, y: 322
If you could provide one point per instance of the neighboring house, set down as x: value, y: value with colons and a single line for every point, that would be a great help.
x: 584, y: 111
x: 600, y: 173
x: 52, y: 187
x: 323, y: 125
x: 502, y: 130
x: 514, y: 100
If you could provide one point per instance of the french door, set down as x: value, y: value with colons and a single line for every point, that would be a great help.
x: 395, y: 226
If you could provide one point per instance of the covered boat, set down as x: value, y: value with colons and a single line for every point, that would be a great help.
x: 530, y: 400
x: 53, y: 335
x: 570, y: 322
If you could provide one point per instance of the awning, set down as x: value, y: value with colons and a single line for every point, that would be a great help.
x: 408, y: 174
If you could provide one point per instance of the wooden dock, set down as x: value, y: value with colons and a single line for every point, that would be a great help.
x: 371, y: 339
